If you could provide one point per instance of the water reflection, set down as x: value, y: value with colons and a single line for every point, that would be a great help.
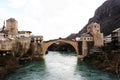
x: 88, y: 72
x: 59, y: 66
x: 34, y: 70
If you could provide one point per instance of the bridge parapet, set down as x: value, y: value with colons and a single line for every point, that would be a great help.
x: 59, y: 40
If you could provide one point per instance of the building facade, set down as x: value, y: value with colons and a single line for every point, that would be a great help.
x: 107, y: 41
x: 12, y: 41
x: 12, y: 27
x: 94, y: 30
x: 24, y: 34
x: 115, y: 35
x: 37, y: 39
x: 92, y: 38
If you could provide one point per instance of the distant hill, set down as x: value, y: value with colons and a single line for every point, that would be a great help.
x: 72, y: 36
x: 107, y: 15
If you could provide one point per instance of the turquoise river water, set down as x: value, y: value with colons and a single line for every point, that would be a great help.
x: 59, y: 66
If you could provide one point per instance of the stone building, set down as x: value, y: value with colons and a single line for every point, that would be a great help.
x: 37, y: 39
x: 36, y: 46
x: 115, y: 35
x: 13, y: 41
x: 6, y: 42
x: 6, y: 46
x: 108, y: 40
x: 94, y: 30
x: 85, y: 39
x: 3, y: 34
x: 91, y: 39
x: 24, y: 34
x: 12, y: 27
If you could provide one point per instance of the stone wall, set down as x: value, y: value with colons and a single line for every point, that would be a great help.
x: 98, y: 39
x: 94, y: 29
x: 35, y: 50
x: 12, y: 26
x: 21, y: 46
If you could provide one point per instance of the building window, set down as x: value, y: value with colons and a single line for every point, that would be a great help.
x: 95, y: 26
x: 88, y: 38
x: 84, y: 38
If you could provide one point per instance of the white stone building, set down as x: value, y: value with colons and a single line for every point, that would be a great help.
x: 92, y: 38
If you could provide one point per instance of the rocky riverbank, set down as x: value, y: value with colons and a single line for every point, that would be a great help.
x: 7, y: 66
x: 109, y: 62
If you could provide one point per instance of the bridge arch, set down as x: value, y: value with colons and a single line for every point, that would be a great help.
x: 46, y: 44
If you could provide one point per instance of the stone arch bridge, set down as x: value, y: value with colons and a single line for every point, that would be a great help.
x: 46, y: 44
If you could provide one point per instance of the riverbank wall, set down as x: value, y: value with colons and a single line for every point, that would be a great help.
x: 8, y: 64
x: 105, y: 61
x: 11, y: 53
x: 21, y: 46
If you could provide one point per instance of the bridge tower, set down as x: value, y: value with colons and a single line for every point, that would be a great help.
x: 93, y: 38
x: 36, y: 47
x: 12, y: 27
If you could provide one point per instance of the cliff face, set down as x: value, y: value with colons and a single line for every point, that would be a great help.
x: 107, y: 15
x: 8, y: 64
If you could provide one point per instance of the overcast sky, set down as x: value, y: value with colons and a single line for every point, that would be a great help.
x: 50, y: 18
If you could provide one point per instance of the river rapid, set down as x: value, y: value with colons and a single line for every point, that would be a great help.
x: 59, y: 66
